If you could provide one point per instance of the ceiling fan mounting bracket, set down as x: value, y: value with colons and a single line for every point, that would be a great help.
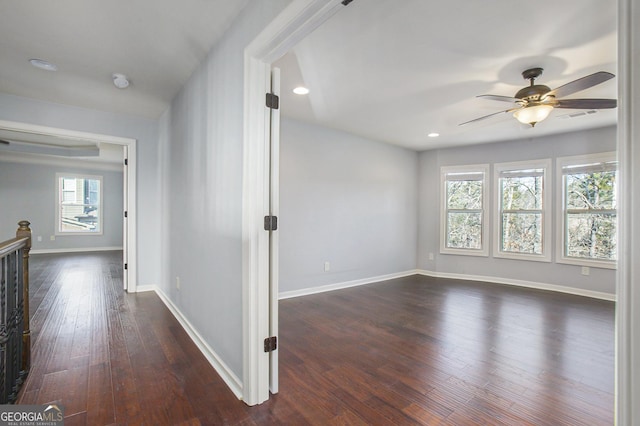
x: 531, y: 74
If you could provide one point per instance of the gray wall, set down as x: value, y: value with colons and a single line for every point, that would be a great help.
x: 577, y: 143
x: 145, y: 131
x: 201, y: 142
x: 346, y: 200
x: 28, y: 191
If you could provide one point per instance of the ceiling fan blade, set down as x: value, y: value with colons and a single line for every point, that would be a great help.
x: 2, y: 141
x: 487, y: 116
x: 586, y: 103
x: 500, y: 98
x: 580, y: 84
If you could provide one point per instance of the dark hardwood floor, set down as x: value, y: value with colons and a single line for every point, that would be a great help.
x: 415, y: 350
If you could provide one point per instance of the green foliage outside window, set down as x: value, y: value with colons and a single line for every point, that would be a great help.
x: 591, y: 217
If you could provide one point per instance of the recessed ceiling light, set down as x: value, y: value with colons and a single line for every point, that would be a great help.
x: 433, y: 135
x: 43, y: 65
x: 120, y: 81
x: 301, y: 90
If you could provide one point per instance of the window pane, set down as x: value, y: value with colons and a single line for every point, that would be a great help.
x: 522, y: 232
x: 92, y: 195
x: 464, y: 194
x: 464, y: 230
x: 521, y: 193
x: 79, y: 207
x: 591, y: 190
x: 74, y: 218
x: 591, y: 236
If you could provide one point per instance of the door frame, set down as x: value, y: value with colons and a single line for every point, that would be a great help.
x: 296, y: 21
x: 129, y: 197
x: 627, y: 378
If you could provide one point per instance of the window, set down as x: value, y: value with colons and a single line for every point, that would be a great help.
x: 587, y: 222
x: 464, y: 213
x: 79, y: 204
x: 522, y: 206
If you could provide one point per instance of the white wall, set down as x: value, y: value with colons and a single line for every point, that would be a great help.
x: 145, y: 131
x: 32, y: 191
x: 201, y: 142
x: 346, y: 200
x: 590, y: 141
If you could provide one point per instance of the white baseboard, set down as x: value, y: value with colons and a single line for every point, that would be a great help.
x: 346, y: 284
x: 522, y: 283
x: 234, y: 383
x: 73, y: 250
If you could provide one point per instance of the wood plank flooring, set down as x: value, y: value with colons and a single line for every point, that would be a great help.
x: 415, y: 350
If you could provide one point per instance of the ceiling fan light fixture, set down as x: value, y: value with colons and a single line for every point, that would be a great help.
x: 301, y: 90
x: 533, y: 114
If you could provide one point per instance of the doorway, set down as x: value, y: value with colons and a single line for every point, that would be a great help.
x: 128, y: 148
x: 273, y: 42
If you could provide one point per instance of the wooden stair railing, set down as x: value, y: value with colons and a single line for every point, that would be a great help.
x: 15, y: 336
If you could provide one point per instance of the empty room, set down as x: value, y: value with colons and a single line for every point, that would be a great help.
x: 320, y: 212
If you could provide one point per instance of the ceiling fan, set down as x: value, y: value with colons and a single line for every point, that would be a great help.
x: 535, y: 102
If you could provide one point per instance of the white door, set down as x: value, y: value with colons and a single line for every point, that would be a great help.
x: 274, y: 167
x: 125, y: 223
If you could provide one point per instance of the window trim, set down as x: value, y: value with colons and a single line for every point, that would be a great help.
x: 560, y: 210
x: 58, y: 206
x: 547, y: 217
x: 486, y: 203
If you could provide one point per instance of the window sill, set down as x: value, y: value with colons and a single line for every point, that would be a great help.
x: 586, y: 262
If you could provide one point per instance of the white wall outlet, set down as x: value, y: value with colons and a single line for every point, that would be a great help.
x: 585, y: 270
x: 52, y: 238
x: 431, y: 256
x: 327, y: 266
x: 178, y: 283
x: 39, y: 238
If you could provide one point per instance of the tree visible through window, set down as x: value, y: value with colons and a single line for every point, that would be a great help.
x: 79, y: 204
x: 464, y: 213
x: 522, y: 209
x: 589, y: 208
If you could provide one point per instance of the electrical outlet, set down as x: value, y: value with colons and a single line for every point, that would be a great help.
x: 178, y: 283
x: 52, y: 238
x: 39, y: 238
x: 327, y: 266
x: 585, y: 270
x: 430, y: 256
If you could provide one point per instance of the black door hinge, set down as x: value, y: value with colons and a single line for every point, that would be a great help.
x: 126, y: 266
x: 270, y: 344
x: 126, y: 214
x: 270, y: 223
x: 273, y: 101
x: 126, y: 161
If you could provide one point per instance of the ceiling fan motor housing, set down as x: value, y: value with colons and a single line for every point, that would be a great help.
x: 532, y: 93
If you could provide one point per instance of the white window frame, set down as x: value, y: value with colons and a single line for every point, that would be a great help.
x: 469, y: 169
x: 562, y: 162
x: 498, y: 168
x: 58, y: 197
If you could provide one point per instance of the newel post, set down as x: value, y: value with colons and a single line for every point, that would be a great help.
x: 22, y: 232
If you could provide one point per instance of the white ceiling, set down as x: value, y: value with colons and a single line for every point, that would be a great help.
x: 156, y: 43
x: 395, y: 71
x: 389, y: 70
